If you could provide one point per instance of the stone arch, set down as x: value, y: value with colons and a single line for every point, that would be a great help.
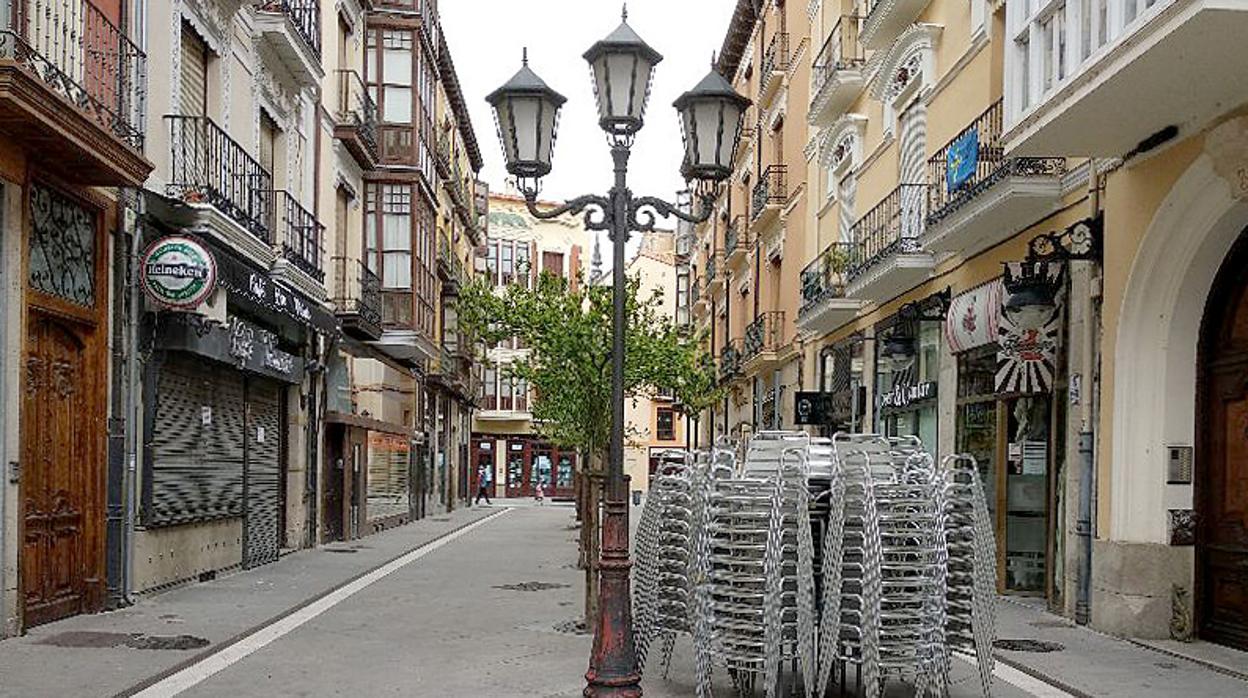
x: 1155, y: 350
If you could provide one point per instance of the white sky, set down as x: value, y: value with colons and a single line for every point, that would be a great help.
x: 486, y: 38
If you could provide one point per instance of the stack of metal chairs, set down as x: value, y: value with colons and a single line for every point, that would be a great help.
x: 811, y: 557
x: 662, y: 591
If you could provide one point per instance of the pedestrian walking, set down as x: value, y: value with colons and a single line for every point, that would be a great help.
x: 540, y: 495
x: 485, y: 479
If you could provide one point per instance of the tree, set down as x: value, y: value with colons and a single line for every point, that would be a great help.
x: 567, y: 331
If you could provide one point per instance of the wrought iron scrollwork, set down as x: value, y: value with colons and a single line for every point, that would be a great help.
x: 1080, y: 241
x: 644, y: 212
x: 596, y: 209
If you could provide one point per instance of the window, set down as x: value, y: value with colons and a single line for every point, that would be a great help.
x: 552, y: 263
x: 268, y: 142
x: 505, y: 390
x: 506, y: 263
x: 394, y: 76
x: 524, y: 265
x: 194, y: 84
x: 388, y: 234
x: 682, y: 297
x: 489, y: 385
x: 666, y: 430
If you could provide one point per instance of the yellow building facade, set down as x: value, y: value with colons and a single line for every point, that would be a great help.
x: 915, y: 177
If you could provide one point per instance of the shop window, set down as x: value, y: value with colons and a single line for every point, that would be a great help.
x: 388, y: 468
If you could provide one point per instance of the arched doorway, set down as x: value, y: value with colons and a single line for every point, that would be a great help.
x: 1222, y: 482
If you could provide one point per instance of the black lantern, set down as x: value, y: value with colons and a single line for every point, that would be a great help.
x: 710, y: 122
x: 527, y: 113
x: 622, y: 65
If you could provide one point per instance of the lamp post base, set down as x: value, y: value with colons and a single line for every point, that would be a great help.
x: 613, y: 665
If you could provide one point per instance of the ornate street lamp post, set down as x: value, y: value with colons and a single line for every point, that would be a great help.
x: 527, y: 113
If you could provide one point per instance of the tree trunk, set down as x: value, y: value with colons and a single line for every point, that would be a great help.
x: 591, y: 536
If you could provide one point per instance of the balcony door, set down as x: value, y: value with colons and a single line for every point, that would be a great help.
x: 193, y: 90
x: 912, y: 167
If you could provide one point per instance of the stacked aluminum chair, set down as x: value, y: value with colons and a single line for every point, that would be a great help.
x: 972, y: 579
x: 662, y: 592
x: 885, y: 552
x: 753, y: 575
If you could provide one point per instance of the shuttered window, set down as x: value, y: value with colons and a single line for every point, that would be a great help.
x: 197, y: 443
x: 194, y: 93
x: 268, y: 142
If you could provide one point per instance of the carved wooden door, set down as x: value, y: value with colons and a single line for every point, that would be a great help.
x: 62, y: 483
x: 1223, y: 486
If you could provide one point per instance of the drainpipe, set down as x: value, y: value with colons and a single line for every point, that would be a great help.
x: 132, y: 406
x: 1087, y: 415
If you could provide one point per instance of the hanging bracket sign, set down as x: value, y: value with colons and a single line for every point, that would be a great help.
x: 178, y: 272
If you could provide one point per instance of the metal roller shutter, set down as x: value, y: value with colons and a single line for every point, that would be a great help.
x: 194, y: 86
x: 197, y: 443
x: 263, y: 481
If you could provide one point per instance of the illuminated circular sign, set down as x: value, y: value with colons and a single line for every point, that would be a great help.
x: 178, y: 272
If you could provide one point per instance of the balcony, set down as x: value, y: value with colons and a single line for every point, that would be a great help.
x: 405, y: 336
x: 749, y: 124
x: 737, y: 242
x: 701, y: 304
x: 764, y: 343
x: 824, y: 305
x: 481, y: 207
x: 447, y: 370
x: 775, y: 65
x: 72, y: 90
x: 838, y: 77
x: 716, y: 278
x: 293, y: 29
x: 357, y: 297
x: 302, y: 240
x: 771, y: 193
x: 442, y: 154
x: 461, y: 200
x: 979, y: 197
x: 887, y: 258
x: 210, y: 171
x: 1158, y: 64
x: 356, y: 124
x: 450, y: 268
x: 730, y: 360
x: 885, y: 20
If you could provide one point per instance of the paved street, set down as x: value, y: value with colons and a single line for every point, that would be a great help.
x: 417, y: 612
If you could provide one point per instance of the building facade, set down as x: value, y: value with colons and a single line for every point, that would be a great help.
x: 520, y: 248
x: 986, y: 233
x: 654, y: 422
x: 238, y: 282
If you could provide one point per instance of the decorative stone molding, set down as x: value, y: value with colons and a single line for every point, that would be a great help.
x: 1227, y: 146
x: 893, y: 73
x: 840, y: 148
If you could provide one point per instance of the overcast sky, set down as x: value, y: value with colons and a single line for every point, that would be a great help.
x: 486, y: 38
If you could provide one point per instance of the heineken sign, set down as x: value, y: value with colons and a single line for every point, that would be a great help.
x: 178, y: 272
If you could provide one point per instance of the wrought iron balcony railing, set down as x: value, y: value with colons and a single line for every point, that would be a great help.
x: 712, y: 268
x: 442, y: 154
x: 304, y: 14
x: 357, y: 290
x: 770, y: 190
x: 973, y: 161
x: 765, y: 334
x: 825, y: 277
x: 302, y: 235
x: 730, y: 359
x: 736, y: 236
x: 357, y: 110
x: 777, y: 57
x: 894, y: 226
x: 210, y: 167
x: 79, y: 53
x: 841, y: 51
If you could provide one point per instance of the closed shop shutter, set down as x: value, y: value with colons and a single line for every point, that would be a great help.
x: 197, y: 443
x: 194, y: 90
x: 263, y: 483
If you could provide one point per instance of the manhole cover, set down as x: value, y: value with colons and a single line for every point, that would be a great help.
x: 87, y: 639
x: 1028, y: 646
x: 166, y: 642
x: 572, y: 627
x: 532, y: 586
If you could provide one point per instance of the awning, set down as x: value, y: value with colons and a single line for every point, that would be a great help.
x: 974, y: 317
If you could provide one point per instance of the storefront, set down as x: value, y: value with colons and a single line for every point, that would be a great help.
x: 1015, y: 430
x: 525, y: 463
x: 907, y: 368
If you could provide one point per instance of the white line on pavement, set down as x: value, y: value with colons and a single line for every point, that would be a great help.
x: 231, y: 654
x: 1018, y: 679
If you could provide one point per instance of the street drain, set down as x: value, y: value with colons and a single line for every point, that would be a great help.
x: 1052, y: 624
x: 572, y: 627
x: 443, y: 519
x: 166, y: 642
x: 87, y: 639
x: 340, y: 550
x: 532, y: 586
x: 1028, y: 646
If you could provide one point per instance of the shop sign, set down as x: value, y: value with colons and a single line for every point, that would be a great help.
x: 962, y: 160
x: 906, y: 394
x: 812, y: 407
x: 251, y: 346
x: 1029, y: 334
x: 974, y: 318
x: 178, y: 272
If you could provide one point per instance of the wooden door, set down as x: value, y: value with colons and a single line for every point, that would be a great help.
x: 1222, y: 484
x: 62, y: 563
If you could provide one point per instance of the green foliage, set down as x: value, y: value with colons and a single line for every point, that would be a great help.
x: 568, y: 333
